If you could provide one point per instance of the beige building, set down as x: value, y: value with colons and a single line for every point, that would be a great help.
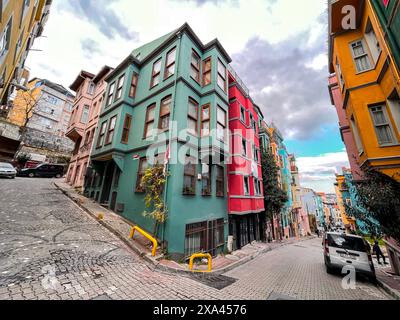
x: 21, y: 22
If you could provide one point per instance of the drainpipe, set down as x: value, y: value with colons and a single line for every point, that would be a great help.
x: 178, y: 60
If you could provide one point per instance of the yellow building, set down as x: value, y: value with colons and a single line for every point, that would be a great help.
x: 20, y: 23
x: 369, y: 83
x: 340, y: 189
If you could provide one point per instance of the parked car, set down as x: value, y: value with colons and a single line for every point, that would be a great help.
x: 7, y: 170
x: 343, y: 249
x: 44, y: 170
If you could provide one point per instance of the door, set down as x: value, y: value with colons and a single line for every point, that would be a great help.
x: 43, y: 171
x: 108, y: 178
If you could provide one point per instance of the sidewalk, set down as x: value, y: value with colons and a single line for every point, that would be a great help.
x: 140, y: 245
x: 389, y: 282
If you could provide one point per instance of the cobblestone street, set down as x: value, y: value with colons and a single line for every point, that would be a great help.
x: 51, y: 249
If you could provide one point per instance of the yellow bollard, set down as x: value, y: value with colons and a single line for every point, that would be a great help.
x: 200, y: 255
x: 100, y: 216
x: 148, y: 236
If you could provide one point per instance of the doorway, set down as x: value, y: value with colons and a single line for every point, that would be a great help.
x: 108, y: 178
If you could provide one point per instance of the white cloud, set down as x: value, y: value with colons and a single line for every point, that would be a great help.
x: 319, y: 172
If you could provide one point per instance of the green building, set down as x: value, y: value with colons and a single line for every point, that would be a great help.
x: 388, y: 12
x: 169, y: 96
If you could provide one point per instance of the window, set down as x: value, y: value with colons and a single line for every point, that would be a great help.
x: 339, y: 73
x: 91, y: 88
x: 165, y: 111
x: 205, y: 120
x: 394, y: 105
x: 192, y: 117
x: 119, y: 87
x: 111, y: 129
x: 221, y: 75
x: 246, y: 186
x: 206, y: 179
x: 207, y: 72
x: 221, y: 123
x: 85, y: 114
x: 372, y: 41
x: 110, y: 94
x: 242, y: 114
x: 170, y: 64
x: 356, y: 134
x: 255, y: 153
x: 132, y: 90
x: 141, y: 171
x: 244, y: 147
x: 381, y: 122
x: 5, y: 38
x: 126, y: 129
x: 195, y: 66
x: 149, y: 121
x: 257, y: 187
x: 220, y: 190
x: 360, y: 56
x: 101, y: 134
x: 155, y: 73
x: 52, y: 100
x: 25, y: 8
x: 189, y: 176
x: 348, y: 202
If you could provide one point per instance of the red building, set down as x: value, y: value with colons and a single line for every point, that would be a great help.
x: 245, y: 187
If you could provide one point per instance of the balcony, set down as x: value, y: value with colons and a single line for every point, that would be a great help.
x: 75, y: 131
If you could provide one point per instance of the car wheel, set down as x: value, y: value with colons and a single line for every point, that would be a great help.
x: 372, y: 279
x: 329, y: 270
x: 31, y: 175
x: 58, y: 176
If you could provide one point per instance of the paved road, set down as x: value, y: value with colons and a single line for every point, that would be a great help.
x: 51, y: 249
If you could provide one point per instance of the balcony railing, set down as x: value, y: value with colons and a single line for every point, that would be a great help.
x: 238, y: 80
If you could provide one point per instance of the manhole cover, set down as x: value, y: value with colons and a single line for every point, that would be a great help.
x: 102, y: 297
x: 216, y: 282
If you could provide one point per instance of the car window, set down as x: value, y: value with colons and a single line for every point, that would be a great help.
x: 6, y: 165
x: 346, y: 242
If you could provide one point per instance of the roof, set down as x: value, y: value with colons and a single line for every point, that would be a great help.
x: 144, y: 53
x: 55, y: 86
x: 79, y: 79
x: 106, y: 69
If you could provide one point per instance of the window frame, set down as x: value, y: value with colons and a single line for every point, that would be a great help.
x: 154, y: 75
x: 220, y: 181
x: 133, y: 87
x: 388, y: 123
x: 111, y: 130
x: 206, y: 71
x: 147, y: 121
x: 140, y: 173
x: 197, y: 69
x: 126, y: 129
x: 167, y: 114
x: 119, y: 87
x: 189, y: 190
x: 169, y: 65
x: 219, y: 108
x: 365, y: 54
x: 220, y: 75
x: 110, y: 94
x: 102, y: 132
x: 244, y: 147
x: 204, y: 120
x: 206, y: 180
x: 190, y: 117
x: 246, y: 178
x: 85, y: 107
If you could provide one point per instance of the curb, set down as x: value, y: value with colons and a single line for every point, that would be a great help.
x: 157, y: 266
x: 394, y: 293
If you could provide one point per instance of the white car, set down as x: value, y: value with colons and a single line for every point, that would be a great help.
x: 7, y: 170
x: 342, y: 250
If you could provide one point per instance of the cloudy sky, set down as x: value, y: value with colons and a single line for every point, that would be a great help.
x: 279, y: 48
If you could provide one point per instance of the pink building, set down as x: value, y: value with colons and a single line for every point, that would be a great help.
x: 345, y: 129
x: 89, y: 90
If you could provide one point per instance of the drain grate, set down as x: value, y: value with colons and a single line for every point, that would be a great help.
x: 216, y: 282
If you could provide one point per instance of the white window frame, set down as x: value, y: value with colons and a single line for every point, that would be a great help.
x: 372, y: 42
x: 248, y: 185
x: 365, y: 54
x: 387, y: 123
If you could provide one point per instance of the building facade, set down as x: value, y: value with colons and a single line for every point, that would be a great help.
x: 369, y: 86
x: 245, y: 186
x: 21, y: 22
x: 168, y: 101
x: 90, y: 90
